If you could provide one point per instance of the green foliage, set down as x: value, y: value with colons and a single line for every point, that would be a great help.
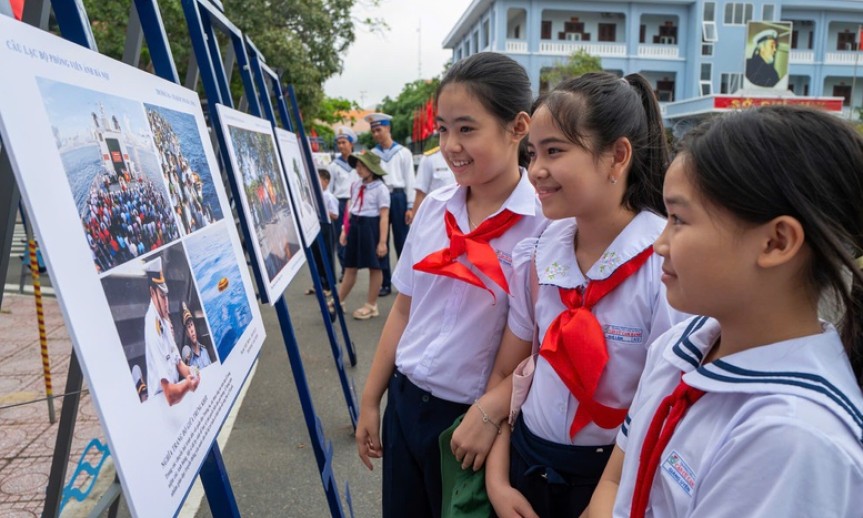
x: 413, y: 96
x: 580, y: 62
x: 333, y: 110
x: 303, y: 40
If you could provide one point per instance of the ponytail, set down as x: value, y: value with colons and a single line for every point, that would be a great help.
x: 650, y: 160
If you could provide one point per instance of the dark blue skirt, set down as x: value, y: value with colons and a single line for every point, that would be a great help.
x: 363, y: 237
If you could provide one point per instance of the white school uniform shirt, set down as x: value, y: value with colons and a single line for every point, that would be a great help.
x: 398, y: 162
x: 342, y: 176
x: 632, y: 316
x: 778, y: 433
x: 331, y: 204
x: 375, y: 197
x: 433, y: 173
x: 454, y: 330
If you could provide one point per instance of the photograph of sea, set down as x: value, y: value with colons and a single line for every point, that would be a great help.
x: 184, y: 167
x: 107, y: 153
x: 149, y: 297
x: 221, y: 285
x: 266, y: 197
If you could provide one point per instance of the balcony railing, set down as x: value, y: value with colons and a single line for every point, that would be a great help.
x: 594, y: 49
x: 802, y: 56
x: 841, y: 58
x: 659, y: 51
x: 516, y: 46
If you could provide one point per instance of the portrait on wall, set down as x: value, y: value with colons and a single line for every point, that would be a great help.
x: 767, y: 50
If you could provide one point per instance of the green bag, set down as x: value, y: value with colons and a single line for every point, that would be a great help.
x: 463, y: 490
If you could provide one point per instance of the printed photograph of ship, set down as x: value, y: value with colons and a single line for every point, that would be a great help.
x: 184, y: 167
x: 221, y: 285
x: 160, y: 320
x: 107, y: 152
x: 266, y: 197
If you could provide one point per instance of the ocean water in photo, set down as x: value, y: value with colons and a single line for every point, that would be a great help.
x: 221, y: 286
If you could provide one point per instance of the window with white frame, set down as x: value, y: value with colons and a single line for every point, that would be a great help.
x: 708, y: 32
x: 730, y: 83
x: 709, y: 14
x: 706, y: 87
x: 768, y: 13
x: 737, y: 13
x: 707, y: 71
x: 706, y: 49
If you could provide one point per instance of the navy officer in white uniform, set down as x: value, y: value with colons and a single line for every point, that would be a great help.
x: 342, y: 176
x: 166, y: 373
x: 398, y: 162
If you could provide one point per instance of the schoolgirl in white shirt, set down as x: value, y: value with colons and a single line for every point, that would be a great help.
x: 437, y: 347
x: 598, y: 156
x: 364, y: 233
x: 754, y: 409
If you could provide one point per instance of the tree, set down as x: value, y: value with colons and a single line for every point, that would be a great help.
x: 413, y: 96
x: 304, y: 41
x: 333, y: 110
x: 578, y: 63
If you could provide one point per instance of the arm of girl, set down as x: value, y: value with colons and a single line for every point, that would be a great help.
x: 602, y: 502
x: 506, y: 500
x: 385, y: 223
x: 383, y: 365
x: 473, y: 438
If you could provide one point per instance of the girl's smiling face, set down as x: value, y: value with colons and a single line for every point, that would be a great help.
x: 477, y: 147
x: 568, y: 178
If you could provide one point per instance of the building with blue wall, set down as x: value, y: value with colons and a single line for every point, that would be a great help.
x: 688, y: 49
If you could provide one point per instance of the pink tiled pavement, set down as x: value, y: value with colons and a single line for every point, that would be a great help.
x: 27, y: 438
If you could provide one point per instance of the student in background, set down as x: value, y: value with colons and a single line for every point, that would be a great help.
x: 364, y: 234
x: 342, y: 177
x: 328, y: 230
x: 432, y: 174
x: 398, y: 162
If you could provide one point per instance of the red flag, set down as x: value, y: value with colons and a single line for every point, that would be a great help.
x: 17, y: 8
x: 430, y: 124
x: 314, y: 140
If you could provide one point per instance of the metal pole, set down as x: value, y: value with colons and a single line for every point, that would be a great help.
x: 43, y: 336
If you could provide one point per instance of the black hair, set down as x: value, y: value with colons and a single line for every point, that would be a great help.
x: 596, y: 109
x: 499, y: 83
x: 324, y: 173
x: 766, y: 162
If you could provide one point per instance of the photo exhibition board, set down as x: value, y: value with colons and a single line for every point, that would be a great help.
x: 120, y: 181
x: 265, y: 199
x: 300, y: 184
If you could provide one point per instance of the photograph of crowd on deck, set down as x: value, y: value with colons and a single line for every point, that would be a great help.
x: 106, y: 148
x: 184, y: 167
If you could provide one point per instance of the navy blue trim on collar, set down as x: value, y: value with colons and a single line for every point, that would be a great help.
x: 388, y: 154
x: 341, y: 162
x: 769, y: 377
x: 694, y: 356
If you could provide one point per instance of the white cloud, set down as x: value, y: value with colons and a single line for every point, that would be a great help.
x: 379, y: 65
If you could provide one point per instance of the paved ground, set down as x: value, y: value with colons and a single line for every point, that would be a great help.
x: 268, y: 456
